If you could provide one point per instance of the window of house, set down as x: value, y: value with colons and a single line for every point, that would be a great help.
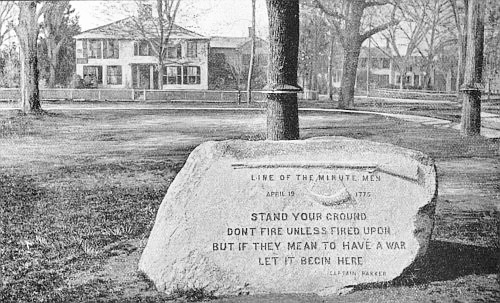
x: 92, y: 75
x: 386, y: 63
x: 111, y: 49
x: 172, y: 75
x: 95, y: 49
x: 416, y: 80
x: 192, y: 75
x: 174, y: 52
x: 192, y: 49
x: 142, y: 48
x: 375, y: 63
x: 398, y: 79
x: 114, y: 73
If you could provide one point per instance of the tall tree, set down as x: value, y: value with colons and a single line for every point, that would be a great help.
x: 439, y: 36
x: 66, y: 62
x: 313, y: 48
x: 156, y: 29
x: 331, y: 56
x: 492, y: 42
x: 55, y: 19
x: 10, y: 66
x: 471, y: 94
x: 6, y: 16
x: 252, y: 56
x: 27, y: 31
x: 282, y: 108
x: 412, y: 31
x: 424, y: 30
x: 460, y: 14
x: 346, y: 17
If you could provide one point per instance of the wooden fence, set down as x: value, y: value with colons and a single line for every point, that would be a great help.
x: 13, y: 94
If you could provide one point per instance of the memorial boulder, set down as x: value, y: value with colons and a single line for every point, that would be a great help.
x: 310, y: 216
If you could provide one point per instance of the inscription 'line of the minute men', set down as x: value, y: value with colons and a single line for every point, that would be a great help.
x: 320, y: 177
x: 370, y: 167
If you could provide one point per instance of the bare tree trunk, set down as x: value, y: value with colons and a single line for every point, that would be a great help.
x: 54, y: 17
x: 402, y: 76
x: 462, y: 49
x: 314, y: 66
x: 350, y: 67
x: 238, y: 88
x: 471, y: 106
x: 27, y: 32
x: 161, y: 45
x: 282, y: 108
x: 252, y: 57
x: 330, y: 68
x: 52, y: 72
x: 351, y: 54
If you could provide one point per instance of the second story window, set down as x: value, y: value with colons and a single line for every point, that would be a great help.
x: 192, y: 49
x: 111, y: 49
x: 174, y: 52
x: 95, y: 49
x: 142, y: 48
x: 386, y: 63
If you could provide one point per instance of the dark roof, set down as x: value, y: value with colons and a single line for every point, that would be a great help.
x: 231, y: 42
x: 228, y: 42
x: 132, y: 29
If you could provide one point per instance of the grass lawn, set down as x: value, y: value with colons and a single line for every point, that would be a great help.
x: 79, y: 190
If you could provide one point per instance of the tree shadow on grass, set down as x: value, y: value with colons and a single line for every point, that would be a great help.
x: 448, y: 261
x: 445, y: 261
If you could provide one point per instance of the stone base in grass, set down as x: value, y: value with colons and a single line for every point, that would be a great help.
x: 306, y: 216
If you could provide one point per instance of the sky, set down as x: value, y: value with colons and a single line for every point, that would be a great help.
x: 206, y: 17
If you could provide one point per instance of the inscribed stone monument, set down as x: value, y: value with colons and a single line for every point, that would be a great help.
x: 292, y: 216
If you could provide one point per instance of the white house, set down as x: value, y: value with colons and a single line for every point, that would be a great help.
x: 382, y: 69
x: 119, y: 55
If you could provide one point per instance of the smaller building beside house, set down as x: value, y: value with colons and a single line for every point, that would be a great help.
x: 230, y: 58
x: 120, y: 55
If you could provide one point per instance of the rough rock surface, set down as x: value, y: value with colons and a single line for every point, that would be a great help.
x: 291, y: 216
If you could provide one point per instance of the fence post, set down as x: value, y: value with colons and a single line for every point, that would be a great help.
x: 133, y: 95
x: 99, y: 95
